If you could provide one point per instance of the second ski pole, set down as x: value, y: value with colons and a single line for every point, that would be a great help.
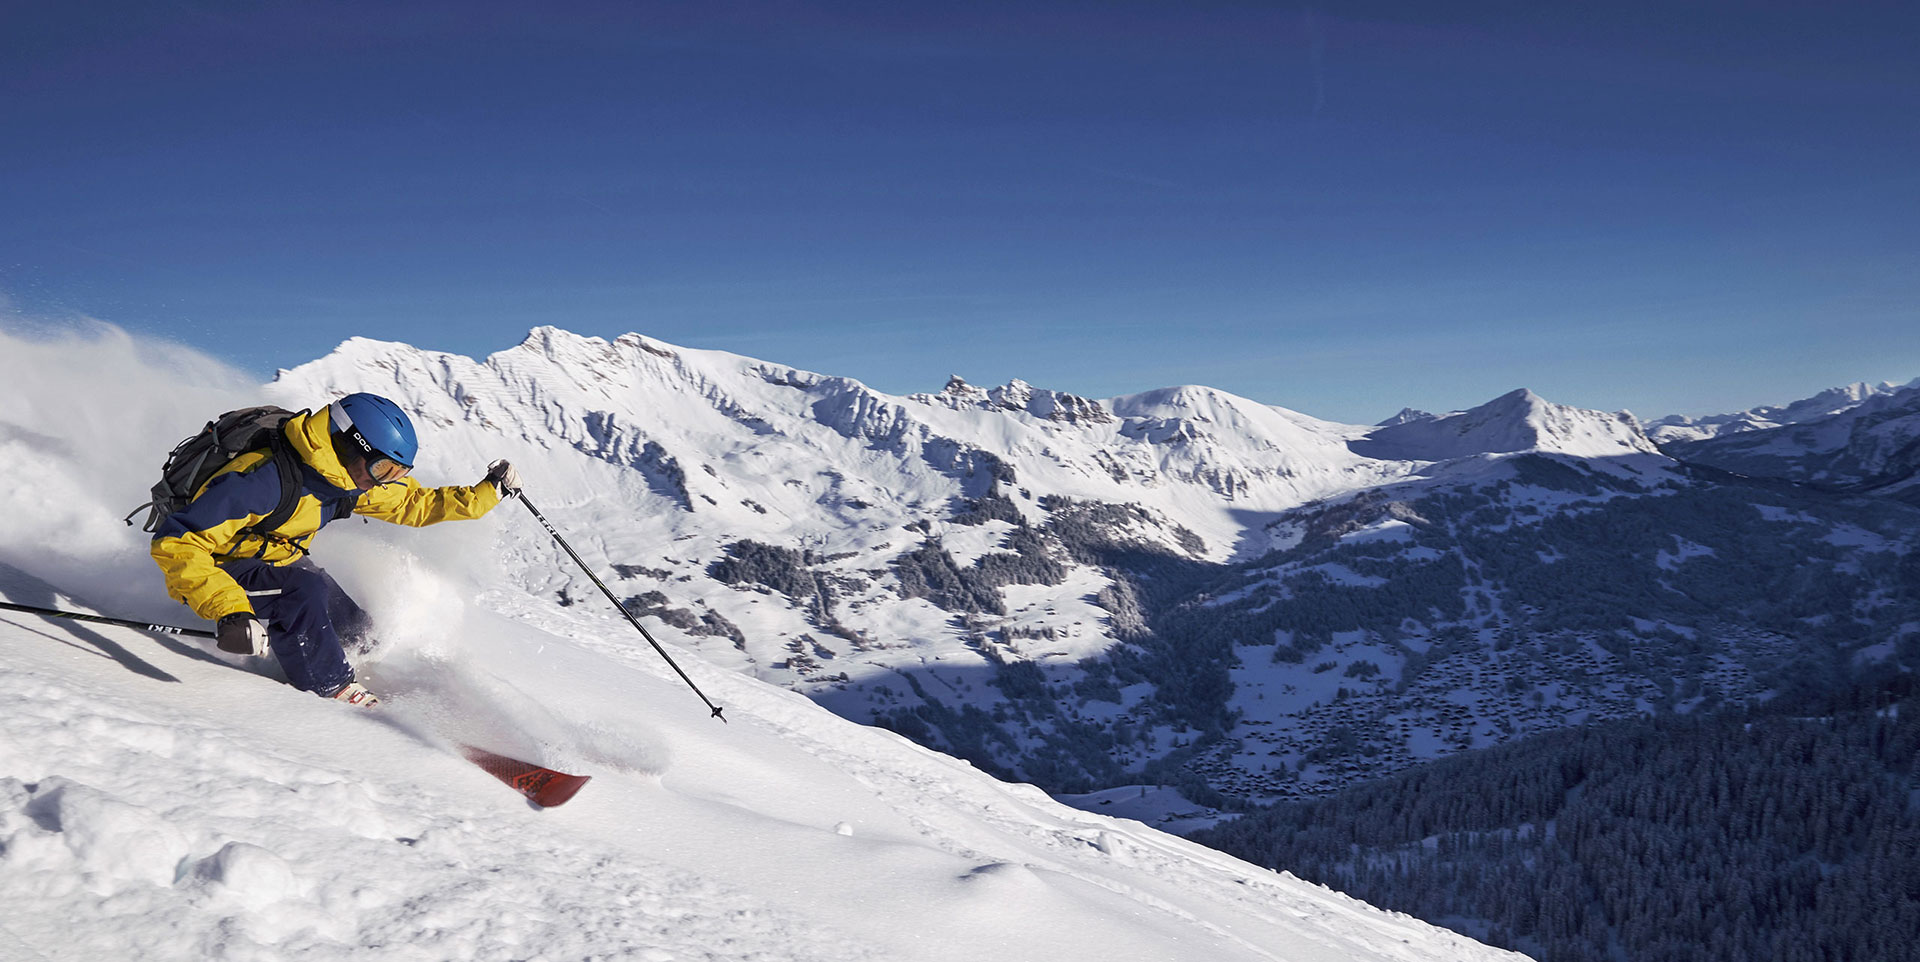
x: 104, y: 620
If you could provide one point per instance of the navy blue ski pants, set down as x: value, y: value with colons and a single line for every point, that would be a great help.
x: 308, y: 620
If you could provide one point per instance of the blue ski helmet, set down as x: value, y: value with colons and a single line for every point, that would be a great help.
x: 377, y: 430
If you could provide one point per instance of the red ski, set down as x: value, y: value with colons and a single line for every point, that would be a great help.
x: 543, y: 786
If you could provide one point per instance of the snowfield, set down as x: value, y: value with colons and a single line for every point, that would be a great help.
x: 160, y: 800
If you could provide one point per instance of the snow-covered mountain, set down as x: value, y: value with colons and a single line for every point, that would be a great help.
x: 1515, y: 422
x: 161, y: 800
x: 1871, y: 445
x: 757, y: 448
x: 917, y: 545
x: 1676, y: 428
x: 767, y: 447
x: 1085, y: 592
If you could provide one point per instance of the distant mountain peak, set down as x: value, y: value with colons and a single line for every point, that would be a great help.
x: 1869, y: 444
x: 1018, y: 395
x: 1834, y: 400
x: 1518, y: 395
x: 1516, y: 421
x: 1407, y: 416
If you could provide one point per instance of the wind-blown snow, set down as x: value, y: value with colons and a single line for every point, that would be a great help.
x: 159, y: 800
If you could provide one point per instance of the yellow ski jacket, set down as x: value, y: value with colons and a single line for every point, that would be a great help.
x: 191, y: 544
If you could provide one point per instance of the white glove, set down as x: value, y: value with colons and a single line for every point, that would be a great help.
x: 504, y: 477
x: 242, y: 634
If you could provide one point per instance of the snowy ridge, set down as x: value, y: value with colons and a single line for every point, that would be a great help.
x: 1018, y: 395
x: 717, y: 422
x: 1676, y: 428
x: 1872, y: 444
x: 1186, y: 452
x: 161, y: 800
x: 1520, y: 421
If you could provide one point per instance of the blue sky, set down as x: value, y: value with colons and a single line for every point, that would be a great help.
x: 1340, y: 208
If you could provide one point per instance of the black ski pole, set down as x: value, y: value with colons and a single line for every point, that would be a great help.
x: 104, y: 620
x: 562, y: 542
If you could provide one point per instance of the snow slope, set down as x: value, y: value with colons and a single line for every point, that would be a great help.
x: 160, y: 800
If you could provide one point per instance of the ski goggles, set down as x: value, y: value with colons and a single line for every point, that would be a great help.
x: 385, y: 470
x: 382, y: 468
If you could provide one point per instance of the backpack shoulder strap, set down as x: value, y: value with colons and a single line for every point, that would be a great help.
x: 287, y: 463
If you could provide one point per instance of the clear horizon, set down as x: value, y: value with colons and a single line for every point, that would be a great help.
x: 1342, y: 209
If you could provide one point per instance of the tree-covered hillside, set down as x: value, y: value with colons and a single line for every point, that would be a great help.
x: 1673, y: 839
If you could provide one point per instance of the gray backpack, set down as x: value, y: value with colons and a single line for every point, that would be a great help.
x: 226, y: 437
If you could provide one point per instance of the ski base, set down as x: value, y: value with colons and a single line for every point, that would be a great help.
x: 542, y: 786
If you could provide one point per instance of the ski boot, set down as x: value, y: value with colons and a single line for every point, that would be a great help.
x: 357, y: 695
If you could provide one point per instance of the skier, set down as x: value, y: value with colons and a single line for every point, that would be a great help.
x: 355, y: 456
